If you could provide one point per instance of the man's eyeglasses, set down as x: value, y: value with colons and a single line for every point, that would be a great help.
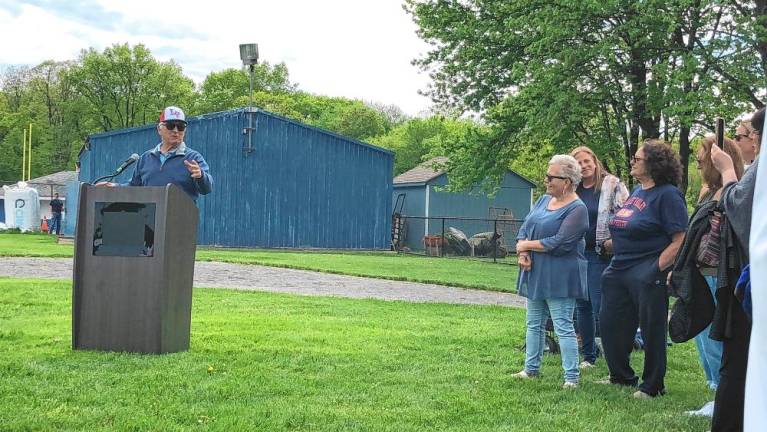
x: 551, y: 177
x: 171, y: 125
x: 634, y: 159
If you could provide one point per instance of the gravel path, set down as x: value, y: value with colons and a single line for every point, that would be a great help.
x: 273, y: 279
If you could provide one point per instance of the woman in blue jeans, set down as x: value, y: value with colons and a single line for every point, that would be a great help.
x: 709, y: 350
x: 552, y: 266
x: 603, y: 194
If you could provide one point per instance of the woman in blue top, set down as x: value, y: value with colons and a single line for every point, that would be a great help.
x: 552, y: 266
x: 646, y: 235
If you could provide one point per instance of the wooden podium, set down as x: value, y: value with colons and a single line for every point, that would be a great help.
x: 133, y: 269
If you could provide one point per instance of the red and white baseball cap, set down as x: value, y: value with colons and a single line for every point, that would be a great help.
x: 172, y: 113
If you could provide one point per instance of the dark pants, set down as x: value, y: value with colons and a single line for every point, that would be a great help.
x: 631, y: 297
x: 730, y: 395
x: 55, y: 224
x: 588, y: 310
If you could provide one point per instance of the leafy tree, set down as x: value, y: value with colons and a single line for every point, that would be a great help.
x: 65, y: 124
x: 24, y: 109
x: 419, y: 139
x: 223, y: 90
x: 601, y: 73
x: 394, y: 114
x: 125, y: 86
x: 351, y: 118
x: 44, y: 97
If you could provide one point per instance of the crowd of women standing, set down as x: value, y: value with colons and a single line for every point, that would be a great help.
x: 591, y: 253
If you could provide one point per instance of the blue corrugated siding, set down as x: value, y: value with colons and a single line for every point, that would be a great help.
x: 300, y: 187
x: 513, y: 194
x: 72, y: 192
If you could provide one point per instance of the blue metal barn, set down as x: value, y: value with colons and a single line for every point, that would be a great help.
x: 288, y: 185
x: 424, y: 202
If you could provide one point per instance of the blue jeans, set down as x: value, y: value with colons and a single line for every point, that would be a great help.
x: 709, y: 350
x: 55, y: 224
x: 588, y: 310
x: 561, y: 312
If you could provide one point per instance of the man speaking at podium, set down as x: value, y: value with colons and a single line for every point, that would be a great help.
x: 172, y: 161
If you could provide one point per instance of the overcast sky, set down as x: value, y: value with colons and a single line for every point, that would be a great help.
x: 354, y: 48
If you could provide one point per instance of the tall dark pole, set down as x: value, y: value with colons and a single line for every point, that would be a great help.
x: 249, y: 57
x: 250, y: 100
x: 250, y: 111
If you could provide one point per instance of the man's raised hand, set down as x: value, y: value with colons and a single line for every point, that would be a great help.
x: 194, y: 168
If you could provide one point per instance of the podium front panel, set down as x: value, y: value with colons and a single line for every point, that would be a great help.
x: 125, y: 295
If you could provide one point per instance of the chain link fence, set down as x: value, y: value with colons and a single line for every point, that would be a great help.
x: 492, y: 239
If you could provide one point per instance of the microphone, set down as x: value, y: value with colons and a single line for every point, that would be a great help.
x: 128, y: 162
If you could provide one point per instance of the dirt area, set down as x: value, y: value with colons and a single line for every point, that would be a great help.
x: 273, y: 279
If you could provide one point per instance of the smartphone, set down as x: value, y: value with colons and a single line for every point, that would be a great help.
x: 720, y: 132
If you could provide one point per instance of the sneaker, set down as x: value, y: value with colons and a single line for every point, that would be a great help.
x: 570, y: 385
x: 586, y: 364
x: 639, y: 394
x: 524, y: 375
x: 706, y: 411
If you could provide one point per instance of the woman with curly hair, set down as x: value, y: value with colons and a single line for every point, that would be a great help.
x: 646, y: 234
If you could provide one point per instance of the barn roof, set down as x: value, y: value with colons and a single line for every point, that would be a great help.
x: 426, y: 172
x: 57, y: 181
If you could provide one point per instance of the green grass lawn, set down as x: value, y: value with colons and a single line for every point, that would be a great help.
x: 446, y: 271
x: 273, y: 362
x: 33, y: 245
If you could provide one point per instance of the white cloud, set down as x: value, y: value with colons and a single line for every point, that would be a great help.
x: 358, y: 49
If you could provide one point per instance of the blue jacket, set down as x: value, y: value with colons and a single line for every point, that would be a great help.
x: 151, y: 171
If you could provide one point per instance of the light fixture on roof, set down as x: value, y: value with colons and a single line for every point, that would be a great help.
x: 249, y: 54
x: 249, y: 57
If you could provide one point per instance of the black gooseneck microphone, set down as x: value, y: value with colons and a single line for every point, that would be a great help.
x: 128, y: 162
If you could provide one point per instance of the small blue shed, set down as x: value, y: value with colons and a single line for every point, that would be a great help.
x: 278, y: 183
x: 424, y: 203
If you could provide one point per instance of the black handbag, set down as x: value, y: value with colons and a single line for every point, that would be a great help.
x: 688, y: 319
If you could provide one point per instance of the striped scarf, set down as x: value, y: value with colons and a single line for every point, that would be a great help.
x: 611, y: 198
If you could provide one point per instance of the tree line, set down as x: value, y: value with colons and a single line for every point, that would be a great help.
x: 547, y: 76
x: 125, y: 86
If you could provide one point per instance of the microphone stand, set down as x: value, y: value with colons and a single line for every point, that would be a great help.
x: 110, y: 177
x: 130, y: 161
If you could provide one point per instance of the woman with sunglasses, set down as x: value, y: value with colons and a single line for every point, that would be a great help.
x: 603, y: 194
x: 552, y: 273
x: 646, y: 235
x: 745, y: 138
